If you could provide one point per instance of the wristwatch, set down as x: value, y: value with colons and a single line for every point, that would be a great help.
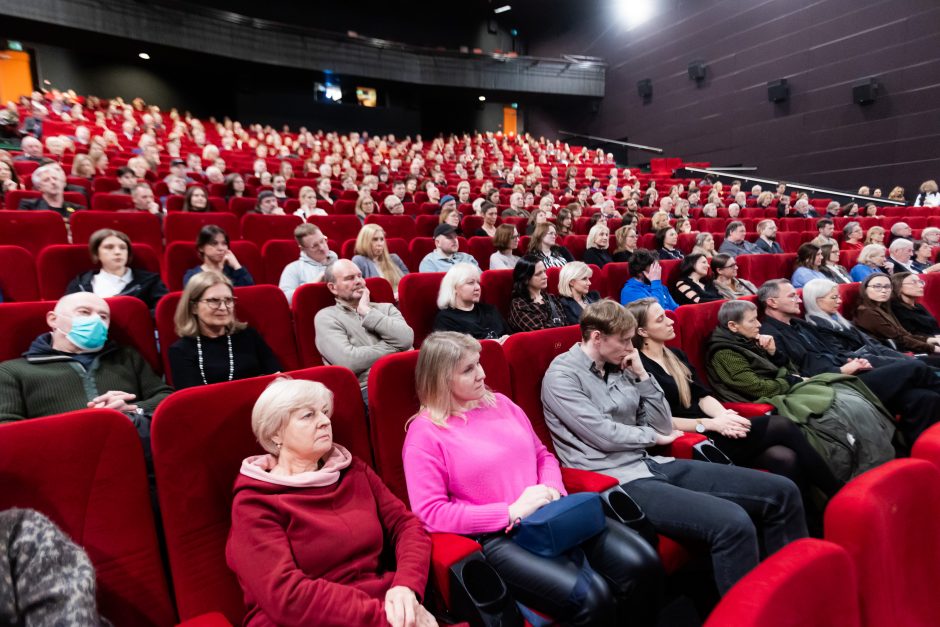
x: 699, y: 426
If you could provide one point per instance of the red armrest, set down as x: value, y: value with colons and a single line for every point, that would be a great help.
x: 212, y: 619
x: 681, y: 448
x: 446, y: 550
x: 577, y: 480
x: 750, y: 410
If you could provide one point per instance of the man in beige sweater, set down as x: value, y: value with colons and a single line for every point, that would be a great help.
x: 355, y: 332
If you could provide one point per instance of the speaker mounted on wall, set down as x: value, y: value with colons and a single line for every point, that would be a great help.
x: 778, y: 91
x: 697, y: 70
x: 645, y: 88
x: 866, y: 91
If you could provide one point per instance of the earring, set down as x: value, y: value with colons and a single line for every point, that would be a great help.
x: 278, y: 445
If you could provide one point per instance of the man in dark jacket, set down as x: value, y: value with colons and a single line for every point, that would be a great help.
x: 50, y: 180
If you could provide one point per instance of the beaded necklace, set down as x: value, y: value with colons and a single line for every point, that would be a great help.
x: 231, y: 359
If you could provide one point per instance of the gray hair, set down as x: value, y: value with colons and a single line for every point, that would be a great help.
x: 896, y: 226
x: 770, y: 289
x: 284, y: 395
x: 593, y: 233
x: 900, y: 243
x: 868, y: 252
x: 389, y: 200
x: 849, y: 227
x: 455, y: 277
x: 813, y: 291
x: 572, y: 271
x: 49, y: 167
x: 733, y: 311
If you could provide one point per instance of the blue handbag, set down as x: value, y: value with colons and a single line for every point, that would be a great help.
x: 561, y: 525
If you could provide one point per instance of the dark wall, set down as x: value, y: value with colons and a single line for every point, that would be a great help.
x: 820, y: 136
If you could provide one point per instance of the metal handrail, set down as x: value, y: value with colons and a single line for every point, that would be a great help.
x: 658, y: 151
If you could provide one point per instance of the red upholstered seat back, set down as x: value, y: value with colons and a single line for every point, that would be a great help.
x: 58, y: 264
x: 276, y: 254
x: 111, y: 202
x: 337, y: 227
x: 931, y: 299
x: 141, y: 227
x: 927, y: 446
x: 394, y: 226
x: 529, y: 356
x: 185, y: 227
x: 311, y: 298
x: 811, y: 583
x: 886, y: 519
x: 200, y: 437
x: 17, y: 275
x: 417, y: 296
x: 789, y: 240
x: 392, y: 401
x: 760, y: 268
x: 263, y: 307
x: 85, y: 471
x: 131, y: 325
x: 497, y: 290
x: 697, y: 323
x: 425, y: 225
x: 482, y: 249
x: 241, y: 205
x: 616, y: 275
x: 33, y: 230
x: 181, y: 256
x: 849, y: 294
x: 260, y: 228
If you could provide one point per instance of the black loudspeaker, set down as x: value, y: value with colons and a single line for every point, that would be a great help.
x: 866, y: 92
x: 697, y: 70
x: 778, y: 91
x: 645, y: 88
x: 479, y: 595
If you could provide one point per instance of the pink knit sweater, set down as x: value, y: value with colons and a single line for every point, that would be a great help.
x: 463, y: 477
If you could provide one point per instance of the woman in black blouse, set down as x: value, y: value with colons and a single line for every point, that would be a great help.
x: 574, y: 286
x: 907, y: 291
x: 770, y: 442
x: 666, y: 240
x: 461, y: 310
x: 214, y: 346
x: 694, y: 285
x: 598, y: 242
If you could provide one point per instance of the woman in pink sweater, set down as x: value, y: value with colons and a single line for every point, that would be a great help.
x: 473, y: 465
x: 309, y: 524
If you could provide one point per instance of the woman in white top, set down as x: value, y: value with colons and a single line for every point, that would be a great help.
x: 308, y: 204
x: 928, y: 196
x: 505, y: 242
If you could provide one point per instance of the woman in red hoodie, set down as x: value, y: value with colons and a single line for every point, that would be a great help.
x: 308, y: 523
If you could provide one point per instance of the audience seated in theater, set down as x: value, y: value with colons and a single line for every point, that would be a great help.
x: 267, y: 204
x: 694, y: 285
x: 809, y: 260
x: 851, y: 428
x: 874, y: 316
x: 373, y: 259
x: 196, y: 199
x: 574, y: 287
x: 769, y: 442
x: 212, y: 244
x: 278, y: 187
x: 563, y: 222
x: 445, y: 254
x: 604, y: 411
x: 734, y: 243
x: 852, y: 236
x: 907, y: 291
x: 542, y: 245
x: 490, y: 214
x: 532, y: 307
x: 767, y: 242
x: 505, y: 242
x: 901, y: 230
x: 9, y: 179
x: 538, y: 217
x: 803, y: 209
x: 355, y: 332
x: 315, y: 256
x: 871, y: 259
x: 626, y: 243
x: 473, y: 465
x: 597, y: 251
x: 214, y: 346
x: 646, y: 281
x: 308, y: 204
x: 666, y: 240
x: 830, y: 267
x: 290, y: 543
x: 931, y: 236
x: 126, y: 180
x: 727, y: 283
x: 50, y: 180
x: 365, y: 206
x: 903, y: 258
x: 928, y: 196
x: 76, y: 367
x: 460, y: 309
x: 113, y: 252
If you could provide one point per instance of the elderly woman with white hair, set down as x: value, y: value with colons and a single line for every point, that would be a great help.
x: 598, y: 246
x: 458, y: 300
x: 574, y: 286
x: 291, y: 544
x: 873, y: 258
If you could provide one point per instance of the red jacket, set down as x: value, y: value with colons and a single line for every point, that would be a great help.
x: 312, y: 556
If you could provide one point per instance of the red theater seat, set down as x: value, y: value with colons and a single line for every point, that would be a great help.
x: 760, y: 268
x: 181, y: 256
x: 85, y: 471
x: 200, y: 437
x: 111, y: 202
x: 417, y: 295
x: 425, y: 225
x: 311, y: 298
x: 482, y: 249
x: 497, y: 290
x: 58, y: 264
x: 17, y: 275
x: 789, y: 240
x: 810, y: 583
x: 337, y: 227
x: 260, y: 228
x: 927, y: 446
x: 141, y: 227
x: 174, y: 204
x: 33, y: 230
x: 241, y: 205
x: 887, y: 520
x: 394, y: 226
x: 263, y: 307
x: 616, y: 275
x: 849, y: 294
x: 276, y: 254
x: 185, y: 226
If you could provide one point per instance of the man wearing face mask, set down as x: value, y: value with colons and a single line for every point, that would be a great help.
x: 76, y: 367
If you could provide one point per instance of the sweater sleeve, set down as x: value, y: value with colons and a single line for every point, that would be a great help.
x: 333, y: 343
x: 241, y: 277
x: 390, y: 325
x: 260, y: 554
x: 411, y: 541
x: 12, y: 406
x: 885, y: 326
x: 151, y: 388
x: 290, y: 281
x: 734, y: 370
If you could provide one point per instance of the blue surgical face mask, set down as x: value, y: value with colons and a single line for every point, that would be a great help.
x: 88, y: 333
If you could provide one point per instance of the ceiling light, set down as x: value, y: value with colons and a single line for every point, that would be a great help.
x: 144, y: 56
x: 482, y: 98
x: 502, y: 9
x: 634, y: 12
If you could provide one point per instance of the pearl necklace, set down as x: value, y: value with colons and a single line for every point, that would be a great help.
x: 231, y: 359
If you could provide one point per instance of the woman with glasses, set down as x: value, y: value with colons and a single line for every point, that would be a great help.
x: 874, y: 316
x: 214, y: 346
x: 505, y: 242
x: 830, y: 264
x: 626, y: 243
x: 729, y: 286
x: 907, y: 291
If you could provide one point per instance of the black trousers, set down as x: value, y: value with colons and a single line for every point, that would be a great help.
x: 626, y: 587
x: 910, y: 389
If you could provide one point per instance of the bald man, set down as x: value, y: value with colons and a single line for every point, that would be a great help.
x: 75, y: 366
x: 32, y: 151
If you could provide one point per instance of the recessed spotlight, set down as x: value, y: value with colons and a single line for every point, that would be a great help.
x: 144, y: 56
x: 502, y: 9
x: 482, y: 98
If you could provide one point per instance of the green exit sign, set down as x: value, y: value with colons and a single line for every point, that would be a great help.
x: 15, y: 45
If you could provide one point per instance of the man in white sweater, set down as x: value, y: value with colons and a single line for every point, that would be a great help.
x: 315, y: 256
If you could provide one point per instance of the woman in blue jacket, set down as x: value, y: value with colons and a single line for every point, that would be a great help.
x: 646, y: 281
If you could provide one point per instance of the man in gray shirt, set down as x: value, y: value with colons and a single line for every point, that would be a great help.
x: 604, y: 410
x: 445, y: 255
x: 735, y: 244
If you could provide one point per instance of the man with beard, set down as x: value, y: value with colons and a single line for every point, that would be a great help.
x: 767, y: 242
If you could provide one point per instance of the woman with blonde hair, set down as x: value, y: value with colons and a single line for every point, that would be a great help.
x: 365, y: 206
x: 473, y: 465
x: 660, y: 220
x: 574, y: 287
x: 290, y: 543
x: 896, y: 193
x: 214, y: 346
x: 626, y: 237
x: 875, y: 235
x: 373, y: 259
x: 83, y: 167
x: 928, y: 196
x: 308, y: 204
x: 598, y: 243
x: 704, y: 245
x: 873, y: 258
x: 460, y: 309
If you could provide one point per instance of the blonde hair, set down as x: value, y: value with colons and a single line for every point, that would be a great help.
x: 572, y: 272
x: 621, y: 235
x: 660, y: 220
x: 82, y: 165
x: 455, y: 277
x: 387, y: 268
x: 869, y: 251
x: 284, y: 395
x: 679, y: 372
x: 874, y: 229
x: 593, y: 234
x: 928, y: 187
x: 185, y: 319
x: 437, y: 362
